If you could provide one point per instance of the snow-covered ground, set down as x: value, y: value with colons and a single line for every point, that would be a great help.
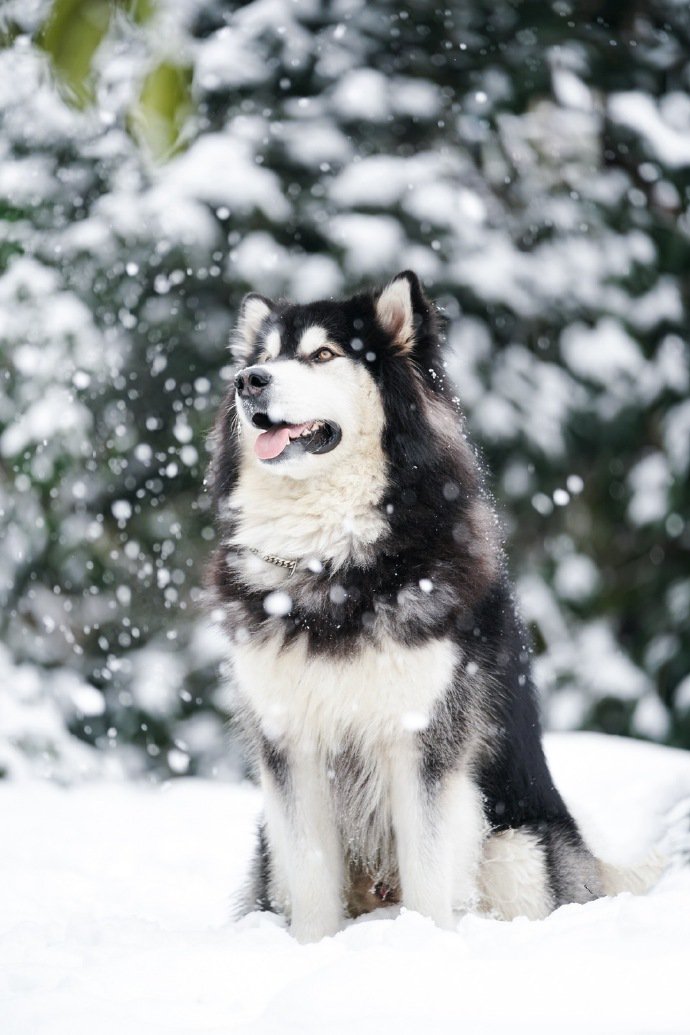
x: 114, y: 906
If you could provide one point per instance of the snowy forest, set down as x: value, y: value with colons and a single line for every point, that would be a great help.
x: 160, y: 158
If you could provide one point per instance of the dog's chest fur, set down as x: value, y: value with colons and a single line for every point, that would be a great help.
x: 355, y: 715
x: 380, y: 689
x: 381, y: 693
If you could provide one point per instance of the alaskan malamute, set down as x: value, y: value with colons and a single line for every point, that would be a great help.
x: 382, y: 674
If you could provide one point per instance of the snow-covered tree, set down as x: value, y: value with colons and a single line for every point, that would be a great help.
x: 529, y: 160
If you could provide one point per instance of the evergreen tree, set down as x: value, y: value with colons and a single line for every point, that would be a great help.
x: 529, y: 160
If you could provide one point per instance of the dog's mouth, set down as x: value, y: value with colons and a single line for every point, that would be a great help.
x: 280, y: 439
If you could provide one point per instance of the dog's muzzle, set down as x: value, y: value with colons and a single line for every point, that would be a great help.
x: 280, y: 439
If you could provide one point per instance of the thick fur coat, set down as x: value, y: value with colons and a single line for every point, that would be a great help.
x: 381, y: 673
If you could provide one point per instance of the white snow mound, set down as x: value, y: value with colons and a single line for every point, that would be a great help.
x: 114, y: 919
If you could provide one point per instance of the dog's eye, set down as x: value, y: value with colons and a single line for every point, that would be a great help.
x: 323, y: 355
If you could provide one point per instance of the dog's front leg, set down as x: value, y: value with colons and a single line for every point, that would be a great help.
x: 305, y: 843
x: 438, y: 836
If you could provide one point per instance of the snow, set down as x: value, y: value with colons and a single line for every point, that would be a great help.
x: 570, y: 91
x: 650, y: 718
x: 576, y: 578
x: 277, y: 603
x: 156, y: 678
x: 26, y: 180
x: 683, y: 694
x: 33, y: 738
x: 677, y: 436
x: 364, y: 93
x: 371, y: 243
x: 568, y: 271
x: 386, y: 179
x: 585, y: 667
x: 314, y: 142
x: 650, y: 481
x: 220, y: 170
x: 315, y: 276
x: 602, y: 353
x: 115, y: 918
x: 260, y: 259
x: 229, y: 59
x: 663, y: 127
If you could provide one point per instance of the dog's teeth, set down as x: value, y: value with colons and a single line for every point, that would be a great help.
x: 309, y: 429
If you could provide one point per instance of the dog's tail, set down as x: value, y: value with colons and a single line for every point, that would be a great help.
x: 672, y: 852
x: 636, y: 879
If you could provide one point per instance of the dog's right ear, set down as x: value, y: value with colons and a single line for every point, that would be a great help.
x: 404, y: 312
x: 253, y: 311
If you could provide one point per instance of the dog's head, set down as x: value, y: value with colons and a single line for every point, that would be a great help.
x: 313, y: 379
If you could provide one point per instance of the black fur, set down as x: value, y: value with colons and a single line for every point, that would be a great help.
x: 274, y: 759
x: 259, y: 895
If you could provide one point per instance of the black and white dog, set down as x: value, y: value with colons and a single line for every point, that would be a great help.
x: 382, y: 674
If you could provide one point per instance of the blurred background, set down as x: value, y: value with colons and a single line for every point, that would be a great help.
x: 158, y: 158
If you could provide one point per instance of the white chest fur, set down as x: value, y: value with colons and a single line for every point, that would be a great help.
x: 335, y: 519
x: 378, y: 695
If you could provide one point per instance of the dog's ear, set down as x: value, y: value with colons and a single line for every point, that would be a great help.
x: 403, y: 310
x: 253, y: 311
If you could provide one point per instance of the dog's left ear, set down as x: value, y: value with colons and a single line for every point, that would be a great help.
x: 404, y: 311
x: 254, y: 310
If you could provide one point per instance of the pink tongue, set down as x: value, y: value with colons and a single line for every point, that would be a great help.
x: 270, y: 444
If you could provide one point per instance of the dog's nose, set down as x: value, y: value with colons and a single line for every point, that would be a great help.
x: 252, y: 381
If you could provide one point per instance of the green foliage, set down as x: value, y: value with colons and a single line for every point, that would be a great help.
x: 73, y: 33
x: 71, y: 37
x: 163, y: 109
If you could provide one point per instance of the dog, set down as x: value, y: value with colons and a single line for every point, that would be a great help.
x: 382, y: 675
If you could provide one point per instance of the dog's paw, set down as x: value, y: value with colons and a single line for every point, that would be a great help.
x: 309, y: 929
